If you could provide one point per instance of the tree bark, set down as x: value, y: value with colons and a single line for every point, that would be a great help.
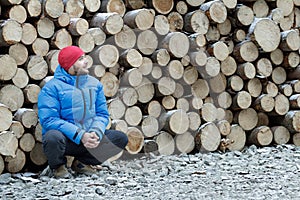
x: 208, y: 138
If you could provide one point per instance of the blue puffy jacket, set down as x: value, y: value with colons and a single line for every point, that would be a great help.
x: 73, y: 105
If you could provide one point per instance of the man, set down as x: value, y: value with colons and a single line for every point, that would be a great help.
x: 73, y: 113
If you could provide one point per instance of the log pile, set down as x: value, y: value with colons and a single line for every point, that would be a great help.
x: 178, y: 75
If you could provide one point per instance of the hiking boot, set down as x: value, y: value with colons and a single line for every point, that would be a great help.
x: 61, y: 172
x: 81, y: 168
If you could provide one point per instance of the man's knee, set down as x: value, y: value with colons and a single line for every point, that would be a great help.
x: 53, y: 137
x: 118, y: 138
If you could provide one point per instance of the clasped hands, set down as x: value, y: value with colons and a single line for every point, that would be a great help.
x: 90, y: 140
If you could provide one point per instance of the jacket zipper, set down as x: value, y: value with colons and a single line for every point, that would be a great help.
x: 91, y: 100
x: 84, y: 103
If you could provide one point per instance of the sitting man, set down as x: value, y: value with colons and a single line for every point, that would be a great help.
x: 73, y: 113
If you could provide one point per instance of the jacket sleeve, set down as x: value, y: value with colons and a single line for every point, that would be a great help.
x: 101, y: 119
x: 49, y: 110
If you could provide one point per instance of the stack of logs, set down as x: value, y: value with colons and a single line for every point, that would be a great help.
x: 178, y: 75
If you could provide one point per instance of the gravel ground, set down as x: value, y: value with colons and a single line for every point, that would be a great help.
x: 254, y: 173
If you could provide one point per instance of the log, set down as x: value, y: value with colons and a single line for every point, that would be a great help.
x: 111, y: 6
x: 176, y: 21
x: 183, y: 104
x: 17, y: 13
x: 131, y: 58
x: 260, y: 8
x: 242, y: 100
x: 28, y: 117
x: 296, y: 139
x: 209, y: 112
x: 196, y: 22
x: 198, y: 58
x: 125, y: 39
x: 45, y: 27
x: 291, y: 121
x: 197, y: 41
x: 236, y: 139
x: 174, y: 39
x: 262, y: 27
x: 245, y: 51
x: 63, y: 20
x: 74, y: 8
x: 225, y: 27
x: 261, y: 136
x: 194, y: 121
x: 78, y: 26
x: 128, y: 95
x: 246, y: 70
x: 174, y: 70
x: 133, y: 116
x: 6, y: 117
x: 131, y: 78
x: 12, y: 96
x: 165, y: 143
x: 168, y: 102
x: 52, y: 8
x: 224, y: 100
x: 150, y: 146
x: 8, y: 67
x: 166, y: 86
x: 161, y: 25
x: 10, y: 32
x: 263, y: 119
x: 285, y: 89
x: 149, y: 126
x: 147, y: 42
x: 2, y: 165
x: 36, y: 67
x: 135, y: 140
x: 228, y: 66
x: 161, y: 57
x: 246, y: 118
x: 213, y: 34
x: 19, y: 52
x: 235, y: 83
x: 31, y: 92
x: 106, y: 55
x: 116, y: 108
x: 200, y: 88
x: 145, y: 90
x: 26, y: 142
x: 291, y: 60
x: 290, y: 40
x: 194, y: 3
x: 181, y: 7
x: 17, y: 128
x: 244, y: 15
x: 40, y: 47
x: 9, y: 143
x: 142, y: 19
x: 190, y: 75
x: 92, y: 5
x: 15, y: 164
x: 120, y: 125
x: 110, y: 23
x: 154, y: 108
x: 61, y: 39
x: 37, y: 155
x: 184, y: 142
x: 175, y: 121
x: 215, y: 10
x: 33, y: 7
x: 85, y: 42
x: 29, y: 34
x: 208, y: 137
x: 254, y: 87
x: 211, y: 69
x: 281, y: 135
x: 224, y: 127
x: 38, y: 133
x: 264, y: 103
x: 146, y: 66
x: 282, y: 105
x: 110, y: 84
x: 162, y: 7
x: 135, y: 4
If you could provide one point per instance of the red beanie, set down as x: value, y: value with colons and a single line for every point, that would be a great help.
x: 68, y: 56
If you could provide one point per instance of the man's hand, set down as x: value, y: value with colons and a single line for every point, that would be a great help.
x: 90, y: 140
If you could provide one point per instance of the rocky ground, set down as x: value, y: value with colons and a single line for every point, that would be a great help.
x: 254, y: 173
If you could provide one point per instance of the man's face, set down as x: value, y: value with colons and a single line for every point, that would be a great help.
x: 81, y: 66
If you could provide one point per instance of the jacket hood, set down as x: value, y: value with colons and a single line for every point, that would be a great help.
x: 64, y: 76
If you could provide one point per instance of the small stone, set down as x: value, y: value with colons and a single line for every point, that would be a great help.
x: 111, y: 180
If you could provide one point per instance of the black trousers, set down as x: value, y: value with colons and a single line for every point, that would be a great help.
x: 57, y: 146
